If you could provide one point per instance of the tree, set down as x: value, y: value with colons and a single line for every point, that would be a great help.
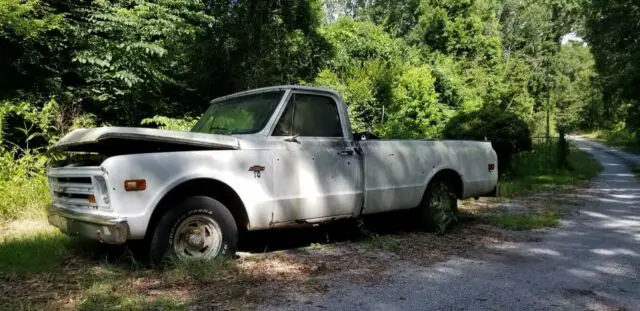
x: 32, y: 47
x: 613, y: 33
x: 134, y: 53
x: 259, y: 43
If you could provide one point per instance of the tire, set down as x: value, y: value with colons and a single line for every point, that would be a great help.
x: 438, y: 210
x: 199, y: 228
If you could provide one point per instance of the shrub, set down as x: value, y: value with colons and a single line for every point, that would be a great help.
x: 26, y: 131
x: 23, y: 185
x: 507, y: 132
x: 167, y: 123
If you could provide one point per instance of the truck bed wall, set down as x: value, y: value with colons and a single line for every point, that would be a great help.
x: 397, y: 172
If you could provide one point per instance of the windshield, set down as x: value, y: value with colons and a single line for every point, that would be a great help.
x: 239, y: 115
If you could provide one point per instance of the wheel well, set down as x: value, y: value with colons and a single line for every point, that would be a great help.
x: 453, y: 178
x: 206, y: 187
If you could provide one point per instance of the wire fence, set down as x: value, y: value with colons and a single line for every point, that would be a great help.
x: 547, y: 154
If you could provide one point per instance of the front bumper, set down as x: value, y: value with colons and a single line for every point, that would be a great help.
x: 88, y: 224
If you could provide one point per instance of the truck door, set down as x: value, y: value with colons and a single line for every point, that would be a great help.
x: 317, y: 172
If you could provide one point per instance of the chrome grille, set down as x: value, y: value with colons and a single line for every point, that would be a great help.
x: 73, y: 191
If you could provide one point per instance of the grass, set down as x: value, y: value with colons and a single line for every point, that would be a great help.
x: 622, y: 138
x: 524, y: 222
x: 636, y: 169
x: 536, y: 171
x: 41, y: 269
x: 382, y: 242
x: 32, y: 246
x: 23, y: 197
x: 23, y: 185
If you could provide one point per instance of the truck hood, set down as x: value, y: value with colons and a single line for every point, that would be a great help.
x: 127, y: 140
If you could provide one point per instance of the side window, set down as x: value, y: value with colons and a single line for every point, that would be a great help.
x: 310, y: 115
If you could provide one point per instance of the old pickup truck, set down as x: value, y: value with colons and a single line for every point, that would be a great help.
x: 265, y: 158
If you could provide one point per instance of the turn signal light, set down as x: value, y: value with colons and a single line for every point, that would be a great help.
x: 92, y: 198
x: 135, y: 185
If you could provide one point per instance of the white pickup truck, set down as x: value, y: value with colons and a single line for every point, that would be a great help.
x: 265, y: 158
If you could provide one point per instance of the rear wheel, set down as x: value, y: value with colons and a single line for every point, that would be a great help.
x: 199, y: 228
x: 438, y: 210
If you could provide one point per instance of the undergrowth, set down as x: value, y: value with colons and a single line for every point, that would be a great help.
x: 524, y: 222
x: 622, y: 137
x: 537, y: 170
x: 636, y: 169
x: 23, y: 186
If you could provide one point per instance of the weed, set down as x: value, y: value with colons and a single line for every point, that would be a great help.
x: 524, y: 222
x: 619, y: 137
x: 534, y: 171
x: 636, y: 169
x: 107, y: 294
x: 36, y: 250
x: 383, y: 242
x: 200, y: 270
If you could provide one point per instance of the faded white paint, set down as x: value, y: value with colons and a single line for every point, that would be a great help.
x: 313, y: 179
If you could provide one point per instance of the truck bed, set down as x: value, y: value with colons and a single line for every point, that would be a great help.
x: 397, y: 171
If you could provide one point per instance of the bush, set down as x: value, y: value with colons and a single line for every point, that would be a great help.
x: 26, y: 131
x: 507, y: 132
x: 23, y: 185
x: 166, y: 123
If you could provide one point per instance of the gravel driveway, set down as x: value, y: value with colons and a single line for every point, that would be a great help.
x: 592, y: 262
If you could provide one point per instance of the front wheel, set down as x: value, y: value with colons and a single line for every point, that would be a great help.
x: 199, y: 228
x: 438, y: 210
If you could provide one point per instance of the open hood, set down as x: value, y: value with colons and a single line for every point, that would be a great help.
x: 127, y: 140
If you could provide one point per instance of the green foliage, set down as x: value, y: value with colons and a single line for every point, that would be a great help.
x: 27, y: 19
x: 167, y: 123
x: 619, y: 136
x: 365, y: 63
x: 533, y: 170
x: 415, y: 111
x: 23, y: 157
x: 134, y: 51
x: 613, y: 33
x: 23, y: 185
x: 507, y: 132
x: 40, y: 249
x: 519, y: 222
x: 382, y: 242
x: 572, y: 87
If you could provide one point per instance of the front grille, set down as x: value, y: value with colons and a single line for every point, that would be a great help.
x: 75, y: 180
x: 73, y: 191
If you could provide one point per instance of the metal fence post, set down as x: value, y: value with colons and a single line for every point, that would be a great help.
x: 563, y: 150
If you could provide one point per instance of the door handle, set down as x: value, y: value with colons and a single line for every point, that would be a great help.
x: 292, y: 139
x: 345, y: 152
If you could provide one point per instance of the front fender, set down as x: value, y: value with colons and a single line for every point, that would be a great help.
x: 165, y: 171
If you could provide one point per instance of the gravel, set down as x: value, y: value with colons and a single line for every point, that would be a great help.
x: 591, y: 262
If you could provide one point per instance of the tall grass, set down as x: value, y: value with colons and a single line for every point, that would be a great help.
x: 524, y: 221
x: 23, y: 185
x: 619, y: 137
x: 538, y: 170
